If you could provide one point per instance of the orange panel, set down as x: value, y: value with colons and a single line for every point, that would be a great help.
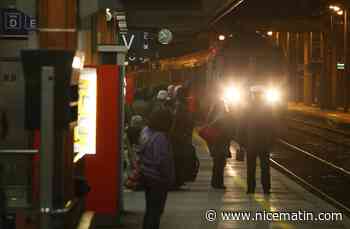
x: 60, y: 14
x: 130, y: 88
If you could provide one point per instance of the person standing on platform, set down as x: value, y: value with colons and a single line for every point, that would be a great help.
x: 141, y: 105
x: 160, y: 101
x: 157, y: 166
x: 171, y: 89
x: 260, y: 125
x: 181, y: 135
x: 219, y: 120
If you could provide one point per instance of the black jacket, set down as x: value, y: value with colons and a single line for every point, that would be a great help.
x: 258, y: 130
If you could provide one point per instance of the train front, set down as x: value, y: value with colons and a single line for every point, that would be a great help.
x: 249, y: 65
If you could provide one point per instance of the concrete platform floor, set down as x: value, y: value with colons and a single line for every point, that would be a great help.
x: 187, y: 209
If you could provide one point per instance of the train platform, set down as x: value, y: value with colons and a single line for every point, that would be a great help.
x: 199, y: 204
x: 336, y: 117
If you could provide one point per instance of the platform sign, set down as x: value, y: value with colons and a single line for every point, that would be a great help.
x: 140, y: 44
x: 85, y: 133
x: 14, y: 23
x: 340, y: 66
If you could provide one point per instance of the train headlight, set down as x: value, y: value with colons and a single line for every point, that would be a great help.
x: 273, y: 95
x: 232, y: 95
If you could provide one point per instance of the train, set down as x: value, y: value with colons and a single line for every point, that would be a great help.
x: 247, y: 63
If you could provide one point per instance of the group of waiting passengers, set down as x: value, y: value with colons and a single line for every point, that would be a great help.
x: 159, y: 138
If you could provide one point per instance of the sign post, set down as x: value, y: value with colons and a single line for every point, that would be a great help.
x: 47, y: 147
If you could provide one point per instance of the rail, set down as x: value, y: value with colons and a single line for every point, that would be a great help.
x: 335, y: 167
x: 310, y: 187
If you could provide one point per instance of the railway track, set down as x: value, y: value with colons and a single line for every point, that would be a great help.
x: 323, y: 132
x: 326, y: 179
x: 327, y: 143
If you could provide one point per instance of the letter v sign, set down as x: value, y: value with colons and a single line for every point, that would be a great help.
x: 126, y: 43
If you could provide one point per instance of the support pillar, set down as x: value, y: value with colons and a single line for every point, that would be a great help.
x: 307, y: 72
x: 325, y: 82
x: 291, y: 68
x: 321, y: 93
x: 346, y: 61
x: 47, y: 147
x: 58, y: 25
x: 298, y: 84
x: 106, y: 194
x: 333, y: 65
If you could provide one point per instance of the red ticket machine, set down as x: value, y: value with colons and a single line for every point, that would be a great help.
x: 103, y: 168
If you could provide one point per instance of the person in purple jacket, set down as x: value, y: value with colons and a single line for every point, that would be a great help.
x: 157, y: 166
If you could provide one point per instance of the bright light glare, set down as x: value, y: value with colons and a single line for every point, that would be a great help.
x: 331, y: 7
x: 232, y: 95
x: 86, y: 129
x: 222, y: 37
x: 340, y: 12
x: 270, y: 33
x: 273, y: 95
x: 78, y: 62
x: 336, y: 8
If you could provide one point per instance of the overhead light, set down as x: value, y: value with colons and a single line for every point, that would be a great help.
x: 270, y: 33
x: 341, y: 12
x: 336, y: 8
x: 222, y: 37
x: 340, y: 66
x: 331, y: 7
